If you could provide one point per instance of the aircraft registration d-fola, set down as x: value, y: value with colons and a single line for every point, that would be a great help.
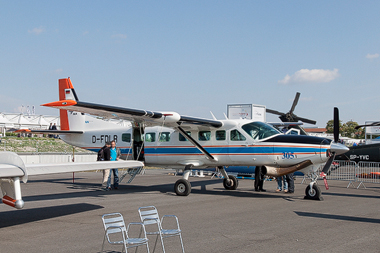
x: 168, y: 139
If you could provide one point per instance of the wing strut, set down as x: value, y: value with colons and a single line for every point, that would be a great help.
x: 196, y: 144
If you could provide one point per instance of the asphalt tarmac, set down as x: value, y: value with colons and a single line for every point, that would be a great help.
x: 60, y: 216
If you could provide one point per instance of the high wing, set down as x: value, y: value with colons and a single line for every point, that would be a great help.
x: 150, y: 118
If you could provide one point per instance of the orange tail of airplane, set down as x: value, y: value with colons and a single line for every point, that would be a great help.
x: 66, y: 91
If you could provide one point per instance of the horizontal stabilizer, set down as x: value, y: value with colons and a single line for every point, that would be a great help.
x: 48, y: 131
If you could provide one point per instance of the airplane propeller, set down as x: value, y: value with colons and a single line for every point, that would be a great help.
x: 372, y: 124
x: 290, y: 116
x: 335, y: 148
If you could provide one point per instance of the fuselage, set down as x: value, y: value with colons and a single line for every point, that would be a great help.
x: 236, y: 143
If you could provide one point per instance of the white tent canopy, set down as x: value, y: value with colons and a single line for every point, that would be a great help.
x: 21, y: 121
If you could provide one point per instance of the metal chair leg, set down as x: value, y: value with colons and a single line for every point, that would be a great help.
x: 180, y: 237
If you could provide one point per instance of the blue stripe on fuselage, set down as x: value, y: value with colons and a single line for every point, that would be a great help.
x: 230, y: 150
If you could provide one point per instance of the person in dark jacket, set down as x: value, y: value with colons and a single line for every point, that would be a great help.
x: 290, y: 179
x: 259, y: 179
x: 104, y: 154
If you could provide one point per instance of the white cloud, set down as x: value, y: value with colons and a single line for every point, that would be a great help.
x: 57, y: 71
x: 86, y: 32
x: 372, y: 56
x: 311, y: 76
x: 306, y: 99
x: 37, y: 30
x: 119, y: 36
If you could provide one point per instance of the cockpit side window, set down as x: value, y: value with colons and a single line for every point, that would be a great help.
x: 237, y: 136
x: 260, y: 130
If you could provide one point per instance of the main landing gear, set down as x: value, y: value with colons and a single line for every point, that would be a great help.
x: 183, y: 187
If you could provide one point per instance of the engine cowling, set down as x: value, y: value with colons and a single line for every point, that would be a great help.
x: 281, y: 171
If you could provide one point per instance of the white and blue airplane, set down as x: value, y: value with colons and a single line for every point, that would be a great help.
x: 171, y: 140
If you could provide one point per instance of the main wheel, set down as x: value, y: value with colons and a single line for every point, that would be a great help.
x: 313, y: 193
x: 182, y: 187
x: 231, y: 183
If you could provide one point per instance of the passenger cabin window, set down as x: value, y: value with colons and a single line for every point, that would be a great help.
x: 182, y: 138
x: 204, y: 135
x: 165, y: 137
x: 126, y: 137
x: 220, y: 135
x: 150, y: 137
x: 237, y: 136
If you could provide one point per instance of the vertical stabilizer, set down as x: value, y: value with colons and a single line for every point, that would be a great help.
x: 66, y: 92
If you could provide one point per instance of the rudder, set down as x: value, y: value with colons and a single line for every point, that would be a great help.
x: 66, y: 92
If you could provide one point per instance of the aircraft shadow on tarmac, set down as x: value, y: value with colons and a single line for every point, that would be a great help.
x: 18, y: 217
x: 337, y: 217
x: 94, y: 190
x: 351, y: 195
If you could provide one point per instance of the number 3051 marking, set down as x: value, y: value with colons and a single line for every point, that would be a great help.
x: 288, y: 155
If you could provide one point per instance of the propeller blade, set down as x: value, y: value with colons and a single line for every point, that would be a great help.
x: 336, y: 124
x: 372, y: 124
x: 310, y: 121
x: 328, y: 164
x: 275, y: 112
x: 295, y: 102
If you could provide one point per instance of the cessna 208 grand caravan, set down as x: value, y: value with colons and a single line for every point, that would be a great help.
x: 167, y: 139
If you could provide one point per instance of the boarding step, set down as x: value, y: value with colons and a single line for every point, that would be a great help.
x: 132, y: 172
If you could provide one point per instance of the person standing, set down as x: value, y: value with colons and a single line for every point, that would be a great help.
x: 50, y: 128
x: 290, y: 180
x: 259, y: 179
x: 281, y: 180
x: 54, y: 128
x: 104, y: 155
x: 115, y: 156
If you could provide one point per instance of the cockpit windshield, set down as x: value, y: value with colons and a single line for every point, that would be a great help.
x: 260, y: 130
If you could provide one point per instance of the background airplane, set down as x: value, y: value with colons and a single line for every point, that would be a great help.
x: 13, y: 171
x: 168, y: 139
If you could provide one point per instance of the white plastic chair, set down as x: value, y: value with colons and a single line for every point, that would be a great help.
x: 117, y: 233
x: 149, y: 216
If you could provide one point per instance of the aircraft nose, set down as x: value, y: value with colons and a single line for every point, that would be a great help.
x: 338, y: 148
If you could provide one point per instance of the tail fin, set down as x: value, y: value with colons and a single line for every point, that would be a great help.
x: 66, y: 92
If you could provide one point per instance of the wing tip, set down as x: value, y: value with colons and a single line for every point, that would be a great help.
x: 60, y: 103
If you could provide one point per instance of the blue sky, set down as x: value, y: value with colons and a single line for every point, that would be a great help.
x: 195, y: 57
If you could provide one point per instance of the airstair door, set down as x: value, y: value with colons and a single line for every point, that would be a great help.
x: 138, y: 142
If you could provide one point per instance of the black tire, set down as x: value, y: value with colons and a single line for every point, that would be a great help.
x: 231, y: 184
x: 314, y: 193
x: 182, y: 187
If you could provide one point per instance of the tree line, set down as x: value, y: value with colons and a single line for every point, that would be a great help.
x: 346, y: 129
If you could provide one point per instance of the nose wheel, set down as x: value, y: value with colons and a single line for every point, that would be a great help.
x: 313, y: 192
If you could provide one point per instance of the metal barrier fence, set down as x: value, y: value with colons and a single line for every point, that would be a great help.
x: 367, y: 172
x: 358, y: 173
